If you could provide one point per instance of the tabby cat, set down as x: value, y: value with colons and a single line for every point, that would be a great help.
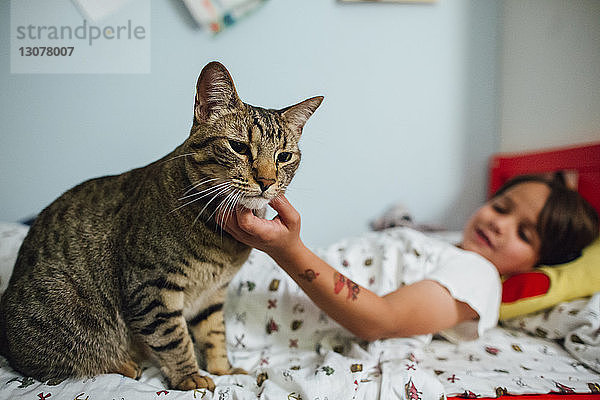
x: 125, y: 267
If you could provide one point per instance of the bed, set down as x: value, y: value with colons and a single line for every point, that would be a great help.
x: 294, y: 351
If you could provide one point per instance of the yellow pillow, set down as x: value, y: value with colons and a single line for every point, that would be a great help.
x: 548, y: 286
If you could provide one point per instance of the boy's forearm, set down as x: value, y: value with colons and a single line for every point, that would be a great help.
x: 359, y: 310
x: 418, y: 308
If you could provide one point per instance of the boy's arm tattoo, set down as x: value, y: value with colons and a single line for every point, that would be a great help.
x: 339, y: 281
x: 309, y: 275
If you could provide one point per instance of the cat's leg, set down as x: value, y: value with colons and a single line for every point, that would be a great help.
x: 208, y: 328
x: 59, y: 327
x: 158, y: 321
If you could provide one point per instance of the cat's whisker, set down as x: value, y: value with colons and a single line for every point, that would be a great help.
x: 196, y: 185
x: 204, y: 191
x: 224, y: 206
x: 299, y: 189
x: 207, y: 191
x: 206, y: 205
x: 233, y: 205
x: 236, y: 205
x: 211, y: 191
x: 219, y: 192
x: 220, y: 205
x: 176, y: 157
x: 230, y: 208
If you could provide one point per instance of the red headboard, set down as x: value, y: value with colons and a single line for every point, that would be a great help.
x: 585, y: 159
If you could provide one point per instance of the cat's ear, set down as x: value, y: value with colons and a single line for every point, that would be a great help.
x: 215, y: 92
x: 297, y: 115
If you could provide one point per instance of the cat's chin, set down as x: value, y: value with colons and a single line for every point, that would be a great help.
x: 254, y: 203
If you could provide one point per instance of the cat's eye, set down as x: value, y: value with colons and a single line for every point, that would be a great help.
x: 239, y: 147
x: 284, y: 156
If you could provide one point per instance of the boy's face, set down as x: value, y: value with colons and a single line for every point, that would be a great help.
x: 504, y: 229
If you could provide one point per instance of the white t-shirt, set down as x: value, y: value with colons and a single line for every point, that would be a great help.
x: 385, y: 261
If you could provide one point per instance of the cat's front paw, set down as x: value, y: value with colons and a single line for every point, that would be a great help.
x: 196, y: 381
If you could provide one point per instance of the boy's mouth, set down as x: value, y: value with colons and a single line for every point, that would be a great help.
x: 483, y: 237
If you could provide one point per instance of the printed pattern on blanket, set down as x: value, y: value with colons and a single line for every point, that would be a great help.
x: 274, y: 330
x: 293, y: 351
x: 266, y: 308
x: 507, y: 361
x: 577, y: 322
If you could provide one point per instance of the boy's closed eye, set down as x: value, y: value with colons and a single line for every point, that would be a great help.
x: 502, y: 205
x: 526, y: 235
x: 526, y: 230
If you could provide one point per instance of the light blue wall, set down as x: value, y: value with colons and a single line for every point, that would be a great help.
x: 410, y: 111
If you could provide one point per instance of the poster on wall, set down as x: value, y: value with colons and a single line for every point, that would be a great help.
x: 217, y: 15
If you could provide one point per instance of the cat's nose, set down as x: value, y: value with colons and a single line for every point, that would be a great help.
x: 265, y: 183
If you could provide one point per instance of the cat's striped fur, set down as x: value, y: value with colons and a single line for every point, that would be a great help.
x: 125, y: 267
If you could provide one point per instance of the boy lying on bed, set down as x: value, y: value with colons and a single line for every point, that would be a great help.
x: 529, y: 221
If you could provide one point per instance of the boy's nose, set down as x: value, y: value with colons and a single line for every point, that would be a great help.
x: 502, y: 224
x: 495, y: 226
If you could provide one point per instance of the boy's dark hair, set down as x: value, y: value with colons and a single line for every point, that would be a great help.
x: 567, y: 222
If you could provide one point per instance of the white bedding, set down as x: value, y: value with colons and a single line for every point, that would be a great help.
x: 274, y: 331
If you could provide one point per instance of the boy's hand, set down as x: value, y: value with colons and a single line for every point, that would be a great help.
x: 271, y: 236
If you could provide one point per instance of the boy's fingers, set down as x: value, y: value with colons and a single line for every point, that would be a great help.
x: 253, y: 226
x: 233, y: 228
x: 245, y: 219
x: 229, y: 223
x: 285, y: 210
